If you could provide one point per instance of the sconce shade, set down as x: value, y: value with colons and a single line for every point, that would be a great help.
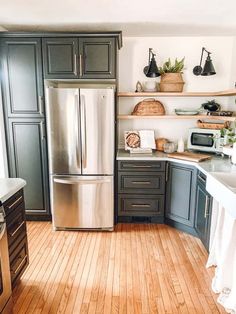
x: 208, y: 68
x: 151, y: 70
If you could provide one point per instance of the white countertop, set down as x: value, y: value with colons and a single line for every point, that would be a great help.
x: 10, y: 186
x: 217, y: 163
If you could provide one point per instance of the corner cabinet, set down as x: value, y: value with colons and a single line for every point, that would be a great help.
x: 180, y: 196
x: 79, y: 58
x: 23, y: 104
x: 203, y: 210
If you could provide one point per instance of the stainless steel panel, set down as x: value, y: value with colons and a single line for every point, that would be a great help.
x: 97, y: 131
x: 82, y: 202
x: 5, y: 281
x: 63, y: 127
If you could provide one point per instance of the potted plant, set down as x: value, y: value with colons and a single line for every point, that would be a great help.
x: 171, y: 76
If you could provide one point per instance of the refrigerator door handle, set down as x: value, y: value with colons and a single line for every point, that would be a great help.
x: 83, y: 131
x: 82, y: 182
x: 77, y: 130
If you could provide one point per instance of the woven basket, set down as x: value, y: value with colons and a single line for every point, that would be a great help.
x: 171, y: 82
x: 217, y: 126
x: 149, y: 107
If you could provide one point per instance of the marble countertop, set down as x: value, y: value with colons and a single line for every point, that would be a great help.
x: 217, y: 163
x: 10, y: 186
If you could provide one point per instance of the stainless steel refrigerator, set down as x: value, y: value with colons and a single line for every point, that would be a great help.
x: 80, y: 129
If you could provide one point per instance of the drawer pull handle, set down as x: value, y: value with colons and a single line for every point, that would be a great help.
x: 17, y: 229
x: 206, y: 213
x: 14, y: 203
x: 19, y: 267
x: 134, y: 166
x: 141, y: 205
x: 141, y: 182
x: 201, y: 179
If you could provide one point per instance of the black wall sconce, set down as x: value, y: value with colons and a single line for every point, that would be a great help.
x: 151, y: 70
x: 208, y: 68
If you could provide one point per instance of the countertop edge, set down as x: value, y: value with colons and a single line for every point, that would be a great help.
x: 9, y: 186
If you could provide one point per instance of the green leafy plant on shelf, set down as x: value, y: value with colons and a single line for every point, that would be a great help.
x: 229, y: 135
x: 172, y: 67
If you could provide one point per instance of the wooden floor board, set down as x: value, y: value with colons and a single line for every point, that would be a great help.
x: 138, y: 268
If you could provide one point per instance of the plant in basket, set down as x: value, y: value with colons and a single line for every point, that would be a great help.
x: 171, y: 76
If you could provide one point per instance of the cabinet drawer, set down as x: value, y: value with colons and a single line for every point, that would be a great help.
x: 141, y: 165
x: 151, y: 183
x: 140, y: 205
x: 18, y: 261
x: 16, y: 229
x: 13, y: 202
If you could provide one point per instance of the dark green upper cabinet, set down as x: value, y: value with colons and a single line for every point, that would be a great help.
x: 180, y: 194
x: 79, y: 58
x: 22, y: 77
x: 60, y: 58
x: 27, y: 159
x: 98, y: 58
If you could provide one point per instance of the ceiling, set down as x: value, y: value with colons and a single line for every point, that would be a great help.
x: 133, y: 17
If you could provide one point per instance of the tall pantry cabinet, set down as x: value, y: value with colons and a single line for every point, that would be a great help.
x: 23, y: 99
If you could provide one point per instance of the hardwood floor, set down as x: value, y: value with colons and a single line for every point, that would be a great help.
x: 139, y: 268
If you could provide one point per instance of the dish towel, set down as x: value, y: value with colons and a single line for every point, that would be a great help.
x: 223, y: 256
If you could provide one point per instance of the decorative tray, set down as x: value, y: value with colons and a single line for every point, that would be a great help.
x: 186, y: 112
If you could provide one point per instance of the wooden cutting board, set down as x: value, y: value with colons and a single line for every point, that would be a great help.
x: 190, y: 156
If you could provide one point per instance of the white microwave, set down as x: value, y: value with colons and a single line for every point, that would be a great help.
x: 206, y: 140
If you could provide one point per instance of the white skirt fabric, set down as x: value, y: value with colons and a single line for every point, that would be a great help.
x: 223, y: 256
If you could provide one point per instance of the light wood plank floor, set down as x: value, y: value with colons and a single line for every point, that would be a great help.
x: 139, y: 268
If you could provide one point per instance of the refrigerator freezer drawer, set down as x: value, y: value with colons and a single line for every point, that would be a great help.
x: 82, y: 202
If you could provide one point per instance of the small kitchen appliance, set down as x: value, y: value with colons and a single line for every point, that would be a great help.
x: 206, y: 140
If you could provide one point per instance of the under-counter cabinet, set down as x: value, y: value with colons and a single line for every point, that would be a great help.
x: 17, y: 237
x: 180, y: 196
x: 22, y: 89
x: 203, y: 210
x: 74, y: 58
x: 141, y: 189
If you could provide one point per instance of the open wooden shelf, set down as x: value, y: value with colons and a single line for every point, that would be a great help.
x: 185, y: 117
x: 230, y: 92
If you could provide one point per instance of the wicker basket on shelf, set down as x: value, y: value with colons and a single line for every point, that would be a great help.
x: 149, y: 107
x: 208, y: 125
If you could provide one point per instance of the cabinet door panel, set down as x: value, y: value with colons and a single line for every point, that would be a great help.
x: 98, y: 57
x: 22, y: 77
x: 60, y: 57
x: 180, y: 200
x: 28, y: 160
x: 203, y: 213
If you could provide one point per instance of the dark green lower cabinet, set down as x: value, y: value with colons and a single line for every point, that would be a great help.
x: 141, y: 191
x: 180, y: 196
x: 27, y: 158
x: 203, y: 211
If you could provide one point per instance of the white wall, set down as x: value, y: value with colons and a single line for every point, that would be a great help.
x: 134, y: 56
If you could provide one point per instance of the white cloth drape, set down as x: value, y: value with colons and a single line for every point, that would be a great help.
x: 223, y: 256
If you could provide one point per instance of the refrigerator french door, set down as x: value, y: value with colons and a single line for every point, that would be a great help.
x: 80, y: 127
